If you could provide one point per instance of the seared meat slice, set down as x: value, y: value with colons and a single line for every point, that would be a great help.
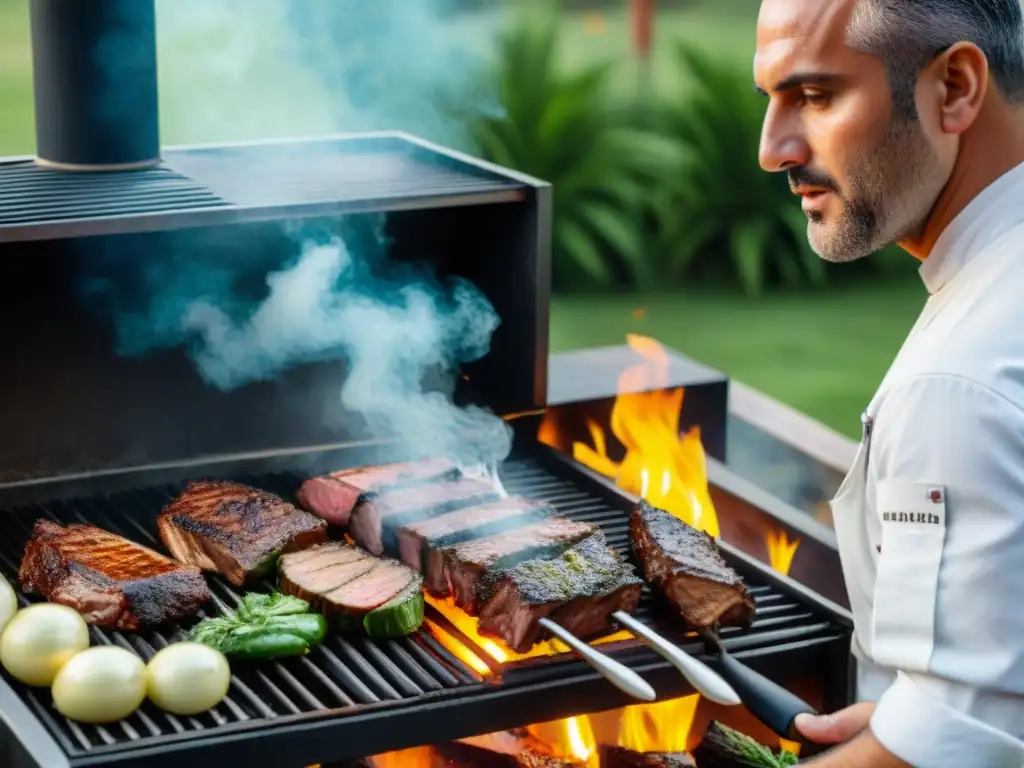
x: 723, y: 747
x: 234, y: 529
x: 111, y: 581
x: 580, y: 590
x: 687, y: 567
x: 471, y: 568
x: 342, y: 581
x: 375, y: 521
x: 620, y: 757
x: 334, y: 496
x: 312, y: 573
x: 416, y: 540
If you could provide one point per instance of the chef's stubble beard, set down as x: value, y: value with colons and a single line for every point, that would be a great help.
x: 885, y: 199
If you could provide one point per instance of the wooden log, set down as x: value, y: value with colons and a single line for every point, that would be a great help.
x: 620, y: 757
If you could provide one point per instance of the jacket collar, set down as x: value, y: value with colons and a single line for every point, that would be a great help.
x: 998, y: 209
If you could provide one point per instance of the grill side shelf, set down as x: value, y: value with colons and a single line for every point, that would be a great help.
x: 331, y: 705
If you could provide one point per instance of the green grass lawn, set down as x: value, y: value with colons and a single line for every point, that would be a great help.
x: 822, y: 354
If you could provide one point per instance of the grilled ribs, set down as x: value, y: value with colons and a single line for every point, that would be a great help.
x: 470, y: 569
x: 112, y: 582
x: 686, y: 566
x: 579, y: 590
x: 334, y: 496
x: 375, y: 520
x: 234, y: 529
x: 342, y: 581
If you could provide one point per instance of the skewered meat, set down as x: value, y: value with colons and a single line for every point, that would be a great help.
x: 579, y: 590
x: 470, y: 569
x: 687, y: 567
x: 334, y: 496
x: 234, y: 529
x: 416, y: 541
x: 620, y: 757
x: 342, y: 581
x: 375, y: 521
x: 111, y: 581
x: 454, y: 754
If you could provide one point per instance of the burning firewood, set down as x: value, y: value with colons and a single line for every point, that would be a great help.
x: 458, y: 755
x: 722, y: 747
x: 620, y: 757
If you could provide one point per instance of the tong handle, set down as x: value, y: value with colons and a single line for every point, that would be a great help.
x: 619, y: 675
x: 768, y: 701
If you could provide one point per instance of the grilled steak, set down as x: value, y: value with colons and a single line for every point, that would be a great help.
x: 334, y: 496
x: 234, y: 529
x: 580, y: 590
x: 723, y: 747
x: 620, y: 757
x: 471, y: 568
x: 687, y: 567
x: 342, y: 581
x: 418, y: 539
x: 111, y: 581
x: 375, y: 521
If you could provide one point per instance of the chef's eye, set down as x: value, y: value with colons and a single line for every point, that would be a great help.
x: 815, y: 98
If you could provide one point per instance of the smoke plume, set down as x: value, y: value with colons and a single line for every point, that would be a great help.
x: 233, y: 70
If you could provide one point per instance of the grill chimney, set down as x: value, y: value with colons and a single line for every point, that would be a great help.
x: 95, y: 78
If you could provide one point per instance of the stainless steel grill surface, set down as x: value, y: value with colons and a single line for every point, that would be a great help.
x: 353, y: 696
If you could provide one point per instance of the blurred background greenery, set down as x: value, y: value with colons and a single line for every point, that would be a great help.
x: 664, y: 223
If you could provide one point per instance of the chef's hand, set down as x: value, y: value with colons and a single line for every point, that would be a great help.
x: 837, y: 728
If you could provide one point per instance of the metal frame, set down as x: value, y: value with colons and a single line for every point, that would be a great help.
x: 531, y: 691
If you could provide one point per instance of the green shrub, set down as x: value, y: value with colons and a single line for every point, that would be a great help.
x: 722, y: 218
x: 562, y: 127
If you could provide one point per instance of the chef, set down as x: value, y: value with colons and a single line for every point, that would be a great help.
x: 902, y: 121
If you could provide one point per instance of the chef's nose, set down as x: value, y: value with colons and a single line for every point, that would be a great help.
x: 783, y: 144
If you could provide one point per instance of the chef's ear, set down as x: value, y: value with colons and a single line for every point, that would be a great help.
x: 960, y: 78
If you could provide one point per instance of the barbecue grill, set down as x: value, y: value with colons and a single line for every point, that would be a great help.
x: 95, y: 436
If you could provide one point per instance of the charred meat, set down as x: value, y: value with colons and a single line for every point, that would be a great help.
x: 375, y: 521
x: 111, y: 581
x: 620, y: 757
x: 418, y: 539
x: 687, y: 567
x: 345, y: 582
x: 469, y: 570
x: 234, y: 529
x: 334, y: 496
x: 579, y: 590
x: 722, y: 747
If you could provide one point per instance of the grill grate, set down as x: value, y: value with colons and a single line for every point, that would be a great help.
x: 349, y: 674
x: 30, y: 195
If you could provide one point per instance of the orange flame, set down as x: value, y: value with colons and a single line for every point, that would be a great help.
x: 572, y: 738
x: 781, y: 551
x: 661, y: 727
x: 668, y: 470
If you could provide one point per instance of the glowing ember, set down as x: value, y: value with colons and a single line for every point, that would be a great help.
x: 668, y: 470
x: 661, y: 727
x: 781, y: 551
x: 493, y: 648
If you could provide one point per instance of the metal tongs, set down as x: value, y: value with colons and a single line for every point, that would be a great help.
x: 704, y: 680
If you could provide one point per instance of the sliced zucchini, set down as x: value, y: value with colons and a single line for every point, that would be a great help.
x: 401, y: 615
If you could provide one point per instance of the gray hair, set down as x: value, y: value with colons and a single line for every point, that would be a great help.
x: 907, y: 34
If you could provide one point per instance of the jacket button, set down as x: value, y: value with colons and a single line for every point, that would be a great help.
x: 935, y: 495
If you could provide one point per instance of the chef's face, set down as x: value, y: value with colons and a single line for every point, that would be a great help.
x: 866, y: 178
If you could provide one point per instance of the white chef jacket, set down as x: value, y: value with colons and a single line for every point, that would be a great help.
x: 930, y: 520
